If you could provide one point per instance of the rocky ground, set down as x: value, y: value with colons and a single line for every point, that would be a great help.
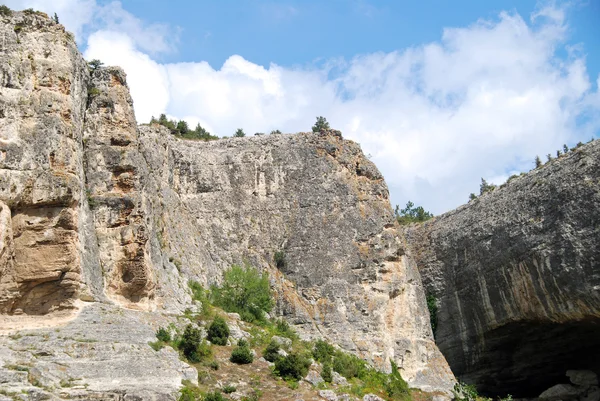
x: 105, y: 353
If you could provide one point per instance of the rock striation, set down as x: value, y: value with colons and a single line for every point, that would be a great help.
x: 98, y: 214
x: 516, y: 274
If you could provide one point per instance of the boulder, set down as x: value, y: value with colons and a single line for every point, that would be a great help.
x: 583, y: 377
x: 560, y: 392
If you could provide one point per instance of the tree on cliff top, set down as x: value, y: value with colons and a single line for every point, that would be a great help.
x: 411, y: 214
x: 95, y: 64
x: 239, y: 133
x: 320, y: 125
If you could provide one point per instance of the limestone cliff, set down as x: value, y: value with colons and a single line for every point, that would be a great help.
x: 517, y: 276
x: 96, y: 210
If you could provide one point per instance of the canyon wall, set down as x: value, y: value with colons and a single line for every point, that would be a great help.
x: 516, y: 274
x: 95, y: 209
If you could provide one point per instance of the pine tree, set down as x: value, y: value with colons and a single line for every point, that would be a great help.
x: 485, y: 187
x: 565, y: 149
x: 538, y: 162
x: 320, y: 125
x: 55, y: 18
x: 182, y: 127
x: 549, y: 156
x: 239, y: 133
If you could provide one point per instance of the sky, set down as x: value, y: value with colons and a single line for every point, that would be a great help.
x: 439, y: 94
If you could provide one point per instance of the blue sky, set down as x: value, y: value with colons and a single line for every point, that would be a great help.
x: 303, y: 32
x: 440, y: 94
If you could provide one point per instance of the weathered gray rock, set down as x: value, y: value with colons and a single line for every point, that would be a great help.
x: 104, y: 352
x: 372, y: 397
x: 338, y: 379
x: 583, y: 377
x: 328, y: 395
x: 95, y: 209
x: 320, y: 201
x: 313, y: 377
x: 283, y: 342
x: 563, y: 392
x: 593, y: 394
x: 517, y: 277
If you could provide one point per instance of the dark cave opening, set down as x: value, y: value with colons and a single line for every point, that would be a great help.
x: 524, y: 359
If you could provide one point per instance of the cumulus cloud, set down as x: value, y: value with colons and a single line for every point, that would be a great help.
x: 481, y: 101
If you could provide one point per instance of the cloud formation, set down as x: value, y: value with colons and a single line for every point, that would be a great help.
x: 480, y: 102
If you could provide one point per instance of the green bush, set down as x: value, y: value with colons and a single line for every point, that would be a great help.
x: 163, y: 335
x: 279, y: 258
x: 326, y: 373
x: 214, y: 365
x: 396, y: 386
x: 293, y: 366
x: 283, y: 329
x: 242, y: 343
x: 191, y: 345
x: 214, y: 396
x: 4, y: 10
x: 228, y: 389
x: 323, y: 351
x: 271, y: 353
x: 465, y: 392
x: 244, y: 291
x: 241, y: 355
x: 348, y: 365
x: 156, y: 345
x: 218, y: 331
x: 239, y: 133
x: 432, y: 306
x: 201, y: 295
x: 189, y: 392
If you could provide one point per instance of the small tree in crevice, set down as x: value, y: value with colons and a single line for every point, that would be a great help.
x: 433, y: 308
x: 95, y: 64
x: 320, y: 125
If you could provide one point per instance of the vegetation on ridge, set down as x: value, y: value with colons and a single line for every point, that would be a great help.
x: 411, y: 214
x: 485, y: 187
x: 291, y: 359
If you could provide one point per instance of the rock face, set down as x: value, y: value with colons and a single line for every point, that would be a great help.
x: 95, y: 209
x: 517, y: 277
x: 317, y: 199
x: 42, y: 105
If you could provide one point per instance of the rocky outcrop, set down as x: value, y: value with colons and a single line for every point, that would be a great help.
x: 42, y: 104
x: 95, y: 209
x: 317, y: 199
x: 113, y: 171
x: 516, y: 274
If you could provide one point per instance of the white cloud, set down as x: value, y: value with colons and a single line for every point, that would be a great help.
x: 480, y: 102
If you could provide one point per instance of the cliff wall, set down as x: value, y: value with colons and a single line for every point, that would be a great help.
x: 516, y: 273
x: 97, y: 211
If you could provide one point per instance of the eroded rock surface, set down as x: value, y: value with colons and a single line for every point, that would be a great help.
x: 95, y: 209
x: 316, y: 198
x: 42, y: 103
x: 517, y: 277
